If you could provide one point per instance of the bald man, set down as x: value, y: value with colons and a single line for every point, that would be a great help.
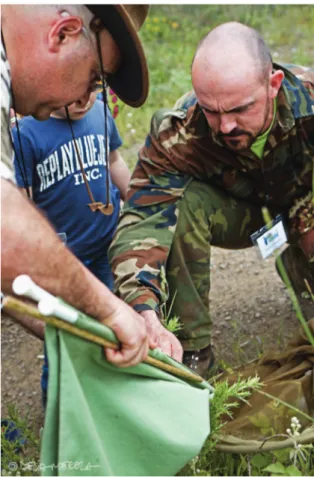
x: 243, y: 139
x: 51, y: 56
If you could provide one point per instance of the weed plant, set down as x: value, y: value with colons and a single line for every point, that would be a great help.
x: 22, y: 457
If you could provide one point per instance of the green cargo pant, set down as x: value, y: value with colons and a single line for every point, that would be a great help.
x: 207, y: 216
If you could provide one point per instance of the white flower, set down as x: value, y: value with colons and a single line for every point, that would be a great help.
x: 129, y: 115
x: 129, y: 126
x: 133, y: 131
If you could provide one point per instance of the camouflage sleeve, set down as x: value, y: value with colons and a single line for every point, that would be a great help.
x: 301, y: 214
x: 306, y: 75
x: 148, y: 221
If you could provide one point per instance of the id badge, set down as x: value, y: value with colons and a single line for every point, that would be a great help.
x: 268, y: 239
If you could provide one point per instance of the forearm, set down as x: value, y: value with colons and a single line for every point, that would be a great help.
x: 144, y: 237
x: 131, y: 257
x: 30, y: 245
x: 120, y: 173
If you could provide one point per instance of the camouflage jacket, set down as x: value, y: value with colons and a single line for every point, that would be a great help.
x: 180, y: 147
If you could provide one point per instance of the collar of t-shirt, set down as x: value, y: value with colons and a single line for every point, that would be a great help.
x: 259, y: 143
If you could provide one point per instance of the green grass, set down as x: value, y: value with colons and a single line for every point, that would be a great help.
x: 171, y: 34
x: 23, y: 461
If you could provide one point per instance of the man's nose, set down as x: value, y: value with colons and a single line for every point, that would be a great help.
x: 227, y: 123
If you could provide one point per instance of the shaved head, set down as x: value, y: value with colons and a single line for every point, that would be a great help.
x: 233, y: 45
x: 56, y: 64
x: 235, y: 84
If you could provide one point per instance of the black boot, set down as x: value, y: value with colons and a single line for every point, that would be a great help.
x: 201, y: 361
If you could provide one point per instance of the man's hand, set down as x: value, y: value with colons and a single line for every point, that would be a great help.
x: 130, y: 329
x: 162, y: 338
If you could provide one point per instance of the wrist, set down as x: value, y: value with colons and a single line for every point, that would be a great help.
x: 150, y: 314
x: 111, y: 308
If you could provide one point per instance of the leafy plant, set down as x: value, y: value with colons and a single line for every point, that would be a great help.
x: 19, y: 456
x: 172, y: 323
x: 296, y: 461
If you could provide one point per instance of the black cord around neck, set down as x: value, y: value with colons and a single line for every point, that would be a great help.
x: 105, y: 102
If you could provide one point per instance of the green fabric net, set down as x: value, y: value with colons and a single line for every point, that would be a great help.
x: 104, y: 420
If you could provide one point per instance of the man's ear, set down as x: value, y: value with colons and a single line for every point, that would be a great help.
x: 275, y: 81
x: 62, y: 31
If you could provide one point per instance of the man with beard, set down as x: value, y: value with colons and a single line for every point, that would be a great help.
x: 243, y: 139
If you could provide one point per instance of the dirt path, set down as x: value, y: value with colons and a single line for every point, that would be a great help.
x: 250, y: 308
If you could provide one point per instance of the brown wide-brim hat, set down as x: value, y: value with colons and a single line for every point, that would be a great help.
x: 130, y: 81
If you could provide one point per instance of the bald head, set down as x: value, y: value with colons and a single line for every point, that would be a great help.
x: 58, y: 62
x: 235, y: 84
x: 235, y: 49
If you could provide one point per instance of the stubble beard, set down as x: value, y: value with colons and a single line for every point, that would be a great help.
x: 250, y: 137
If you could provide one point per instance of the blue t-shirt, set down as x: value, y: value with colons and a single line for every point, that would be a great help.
x: 54, y: 173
